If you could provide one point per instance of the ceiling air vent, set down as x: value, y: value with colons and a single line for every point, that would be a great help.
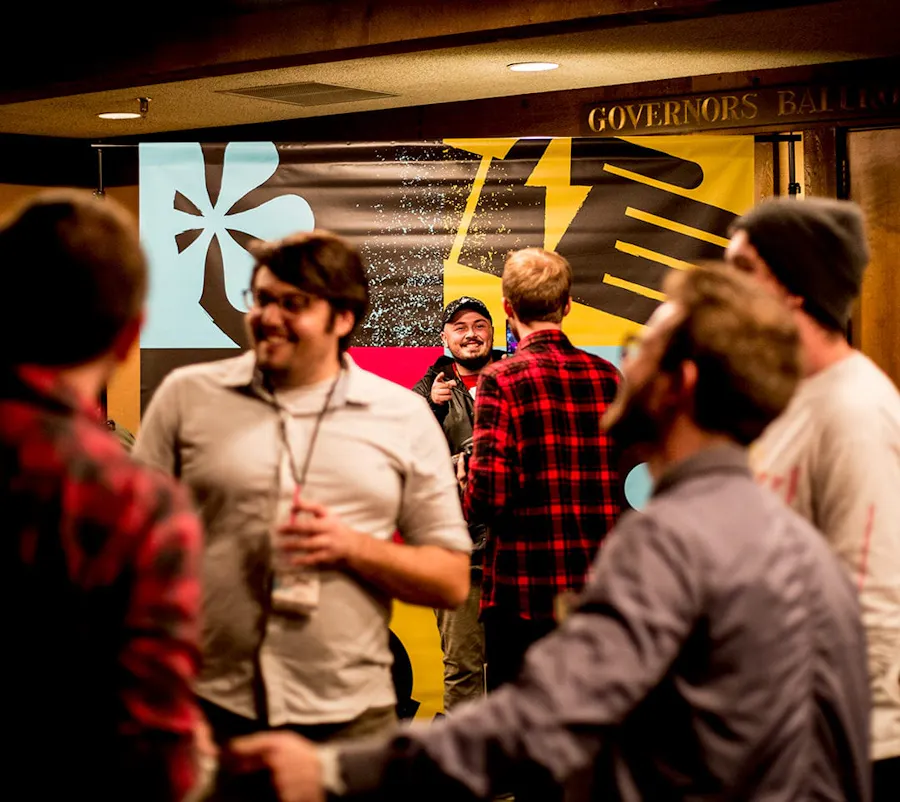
x: 308, y: 94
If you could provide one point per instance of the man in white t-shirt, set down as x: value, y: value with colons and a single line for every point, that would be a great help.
x: 304, y: 466
x: 834, y: 454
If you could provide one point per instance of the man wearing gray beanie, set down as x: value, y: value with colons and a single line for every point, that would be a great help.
x: 834, y: 454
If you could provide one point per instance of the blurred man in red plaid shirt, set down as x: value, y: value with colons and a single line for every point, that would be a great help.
x: 100, y: 563
x: 543, y: 474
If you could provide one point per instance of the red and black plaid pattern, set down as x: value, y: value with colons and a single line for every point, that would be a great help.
x: 101, y: 576
x: 543, y: 475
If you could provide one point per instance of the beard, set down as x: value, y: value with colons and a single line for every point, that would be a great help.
x: 273, y: 359
x: 633, y: 424
x: 474, y: 363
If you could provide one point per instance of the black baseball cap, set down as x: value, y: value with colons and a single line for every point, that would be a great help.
x: 465, y: 302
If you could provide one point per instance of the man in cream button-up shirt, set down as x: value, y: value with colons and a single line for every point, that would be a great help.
x: 297, y: 424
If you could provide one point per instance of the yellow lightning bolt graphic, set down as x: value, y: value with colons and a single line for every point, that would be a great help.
x: 459, y: 279
x: 554, y: 171
x: 488, y: 149
x: 585, y: 325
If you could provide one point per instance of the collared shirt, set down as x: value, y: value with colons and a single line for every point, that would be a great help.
x: 543, y: 475
x: 102, y: 603
x: 716, y: 653
x: 380, y: 462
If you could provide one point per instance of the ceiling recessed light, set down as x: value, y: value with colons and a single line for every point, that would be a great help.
x: 143, y: 108
x: 532, y: 66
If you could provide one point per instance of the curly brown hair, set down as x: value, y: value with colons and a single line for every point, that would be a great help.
x: 744, y: 343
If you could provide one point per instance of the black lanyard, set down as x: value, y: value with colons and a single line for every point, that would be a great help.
x: 283, y: 415
x: 259, y: 687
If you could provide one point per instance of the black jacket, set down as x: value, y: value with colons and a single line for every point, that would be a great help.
x: 457, y: 418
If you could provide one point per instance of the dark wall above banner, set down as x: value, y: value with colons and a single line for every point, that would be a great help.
x: 748, y: 108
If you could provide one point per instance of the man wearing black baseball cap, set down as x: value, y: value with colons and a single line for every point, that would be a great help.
x: 834, y: 454
x: 449, y: 386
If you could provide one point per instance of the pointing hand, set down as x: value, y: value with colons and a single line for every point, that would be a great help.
x: 442, y: 389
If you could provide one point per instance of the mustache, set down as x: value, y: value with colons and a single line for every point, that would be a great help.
x: 264, y: 332
x: 473, y: 341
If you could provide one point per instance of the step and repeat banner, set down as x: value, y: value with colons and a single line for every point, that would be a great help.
x: 432, y: 221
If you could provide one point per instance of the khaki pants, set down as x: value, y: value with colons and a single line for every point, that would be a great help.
x: 462, y: 642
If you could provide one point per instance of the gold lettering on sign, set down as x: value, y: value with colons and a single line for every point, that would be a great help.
x: 845, y: 103
x: 786, y: 104
x: 672, y: 112
x: 747, y: 104
x: 807, y: 104
x: 765, y: 106
x: 710, y: 109
x: 596, y: 122
x: 729, y: 108
x: 635, y: 118
x: 621, y: 118
x: 691, y: 106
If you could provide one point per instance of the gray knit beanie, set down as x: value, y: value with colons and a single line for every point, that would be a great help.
x: 817, y: 250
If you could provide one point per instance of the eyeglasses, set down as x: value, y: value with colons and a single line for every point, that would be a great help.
x: 292, y: 304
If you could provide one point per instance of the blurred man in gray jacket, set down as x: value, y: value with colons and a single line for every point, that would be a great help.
x: 717, y: 650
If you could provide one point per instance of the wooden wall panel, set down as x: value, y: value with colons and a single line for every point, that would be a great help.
x: 874, y: 158
x: 764, y: 184
x: 820, y: 173
x: 123, y: 396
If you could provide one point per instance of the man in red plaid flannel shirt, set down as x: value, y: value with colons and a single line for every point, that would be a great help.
x: 543, y: 475
x: 100, y: 568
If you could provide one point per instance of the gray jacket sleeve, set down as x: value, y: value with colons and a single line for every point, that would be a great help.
x: 638, y: 609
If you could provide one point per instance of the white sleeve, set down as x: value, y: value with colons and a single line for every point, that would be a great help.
x: 430, y: 510
x: 857, y: 499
